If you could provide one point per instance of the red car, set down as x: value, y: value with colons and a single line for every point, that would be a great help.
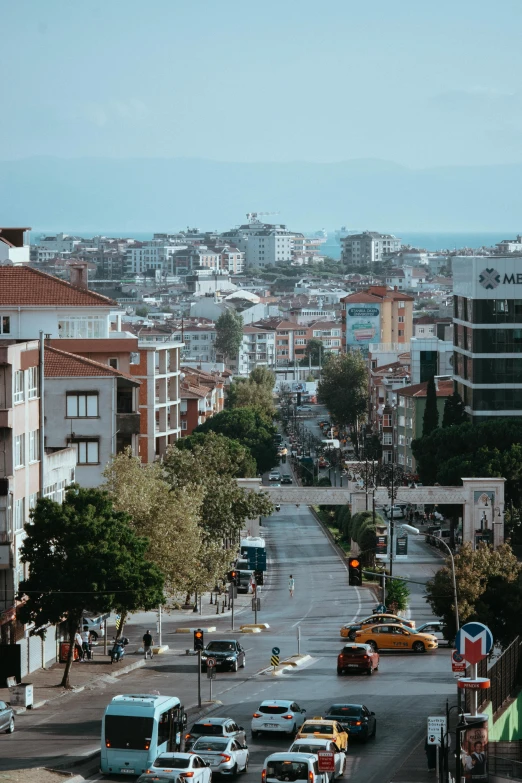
x: 357, y: 657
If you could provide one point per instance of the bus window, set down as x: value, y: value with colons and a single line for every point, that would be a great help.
x: 128, y: 731
x: 164, y: 727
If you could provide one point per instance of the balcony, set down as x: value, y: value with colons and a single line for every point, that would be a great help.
x: 6, y: 418
x: 128, y: 423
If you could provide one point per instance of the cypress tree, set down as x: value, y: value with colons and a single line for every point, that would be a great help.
x: 453, y: 410
x: 430, y: 420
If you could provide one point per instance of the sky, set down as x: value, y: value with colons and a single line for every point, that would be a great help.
x: 418, y: 84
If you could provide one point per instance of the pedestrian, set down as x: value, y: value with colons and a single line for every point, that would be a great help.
x: 291, y: 585
x: 148, y: 641
x: 86, y: 643
x: 431, y: 755
x: 78, y: 645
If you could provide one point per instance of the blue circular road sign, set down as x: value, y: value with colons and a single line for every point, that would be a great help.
x: 275, y: 650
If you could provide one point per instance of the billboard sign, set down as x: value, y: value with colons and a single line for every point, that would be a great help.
x: 363, y: 325
x: 437, y: 727
x: 381, y: 547
x: 474, y: 751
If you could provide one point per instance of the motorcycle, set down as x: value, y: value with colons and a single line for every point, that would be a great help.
x: 118, y: 650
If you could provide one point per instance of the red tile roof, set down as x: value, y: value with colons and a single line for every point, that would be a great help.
x: 61, y: 364
x: 443, y: 389
x: 21, y: 285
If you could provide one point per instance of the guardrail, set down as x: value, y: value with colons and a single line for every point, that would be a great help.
x: 507, y: 768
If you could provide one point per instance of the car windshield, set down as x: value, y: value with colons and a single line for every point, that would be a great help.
x: 207, y: 729
x: 344, y: 710
x: 172, y: 762
x: 128, y: 731
x: 287, y: 770
x: 355, y: 651
x: 272, y: 709
x: 298, y: 748
x: 221, y: 646
x: 320, y: 728
x: 203, y: 743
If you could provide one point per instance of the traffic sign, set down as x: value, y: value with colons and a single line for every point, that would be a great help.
x: 458, y: 664
x: 274, y: 660
x: 326, y: 761
x: 211, y: 673
x: 211, y: 662
x: 275, y: 650
x: 436, y: 723
x: 474, y: 641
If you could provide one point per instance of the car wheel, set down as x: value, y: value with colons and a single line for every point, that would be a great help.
x: 418, y: 647
x: 255, y: 734
x: 244, y: 662
x: 294, y: 730
x: 234, y: 771
x: 351, y: 636
x: 340, y: 671
x: 235, y: 667
x: 373, y: 645
x: 10, y: 728
x: 370, y: 671
x: 374, y: 732
x: 94, y: 636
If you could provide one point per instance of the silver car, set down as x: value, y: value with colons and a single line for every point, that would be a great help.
x: 226, y: 755
x: 7, y: 721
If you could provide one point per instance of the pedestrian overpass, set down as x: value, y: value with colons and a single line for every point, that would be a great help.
x: 482, y: 500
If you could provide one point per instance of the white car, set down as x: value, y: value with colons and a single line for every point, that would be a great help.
x: 435, y: 628
x: 95, y: 623
x: 277, y: 715
x: 295, y: 767
x: 226, y: 755
x: 398, y: 512
x: 311, y: 745
x: 274, y: 475
x: 184, y: 765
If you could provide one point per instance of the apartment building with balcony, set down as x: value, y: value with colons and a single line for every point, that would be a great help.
x: 376, y: 315
x: 91, y: 407
x: 258, y: 349
x: 201, y: 396
x: 411, y: 405
x: 14, y: 246
x: 29, y: 468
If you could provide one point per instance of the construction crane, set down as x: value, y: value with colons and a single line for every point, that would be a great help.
x: 254, y: 216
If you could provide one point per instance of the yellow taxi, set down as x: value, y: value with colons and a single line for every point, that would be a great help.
x: 392, y: 636
x: 348, y: 631
x: 322, y: 728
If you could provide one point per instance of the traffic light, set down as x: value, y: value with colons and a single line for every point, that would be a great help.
x: 199, y: 640
x: 354, y: 571
x: 233, y: 577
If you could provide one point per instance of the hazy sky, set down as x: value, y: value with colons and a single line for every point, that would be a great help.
x: 413, y: 82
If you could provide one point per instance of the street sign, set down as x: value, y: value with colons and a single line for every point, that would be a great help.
x: 474, y: 641
x: 401, y: 546
x: 211, y: 662
x: 381, y: 547
x: 256, y: 604
x: 211, y: 674
x: 436, y: 723
x: 274, y: 660
x: 458, y: 664
x: 275, y: 650
x: 326, y: 761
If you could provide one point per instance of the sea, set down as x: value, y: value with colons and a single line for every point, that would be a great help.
x: 428, y: 240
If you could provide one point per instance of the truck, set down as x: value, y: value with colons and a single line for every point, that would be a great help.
x: 253, y: 550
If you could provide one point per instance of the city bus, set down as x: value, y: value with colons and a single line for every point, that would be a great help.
x: 137, y: 728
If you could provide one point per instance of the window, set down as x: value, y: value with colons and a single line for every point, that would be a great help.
x: 76, y: 326
x: 401, y: 305
x: 19, y: 514
x: 5, y: 324
x: 19, y: 455
x: 183, y: 425
x: 401, y: 332
x: 32, y: 500
x: 19, y: 386
x: 401, y: 319
x: 113, y: 363
x: 32, y: 383
x: 387, y: 439
x: 82, y: 406
x: 34, y: 446
x: 87, y: 452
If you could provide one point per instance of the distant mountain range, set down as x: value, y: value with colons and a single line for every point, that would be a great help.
x: 152, y: 194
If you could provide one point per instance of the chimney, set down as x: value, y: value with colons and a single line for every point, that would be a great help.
x: 79, y: 275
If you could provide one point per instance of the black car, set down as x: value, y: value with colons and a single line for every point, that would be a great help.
x: 7, y: 721
x: 356, y: 719
x: 228, y: 654
x: 287, y: 479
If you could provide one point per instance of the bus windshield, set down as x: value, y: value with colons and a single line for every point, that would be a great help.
x: 128, y: 732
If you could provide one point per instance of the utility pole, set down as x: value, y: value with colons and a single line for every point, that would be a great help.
x: 199, y: 678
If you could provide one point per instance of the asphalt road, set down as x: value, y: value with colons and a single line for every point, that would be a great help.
x: 406, y: 689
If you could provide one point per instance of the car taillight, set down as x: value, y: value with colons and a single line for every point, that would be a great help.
x: 225, y: 756
x: 256, y: 715
x: 358, y: 722
x: 366, y: 657
x: 187, y: 736
x: 288, y: 717
x: 107, y: 744
x: 263, y: 776
x: 186, y: 775
x: 147, y: 746
x: 310, y: 777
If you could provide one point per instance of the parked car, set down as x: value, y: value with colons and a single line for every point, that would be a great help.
x: 95, y: 623
x: 356, y: 719
x: 7, y: 718
x: 228, y: 654
x: 215, y: 727
x: 277, y: 715
x: 357, y: 657
x: 226, y: 755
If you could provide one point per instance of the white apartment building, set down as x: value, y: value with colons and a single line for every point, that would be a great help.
x: 155, y: 255
x: 264, y: 244
x: 258, y: 349
x: 510, y: 245
x: 368, y: 248
x: 14, y: 246
x: 61, y: 243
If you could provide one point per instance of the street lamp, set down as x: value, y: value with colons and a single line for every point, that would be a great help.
x: 416, y: 532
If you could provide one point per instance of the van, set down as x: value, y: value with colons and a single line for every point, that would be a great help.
x: 294, y: 767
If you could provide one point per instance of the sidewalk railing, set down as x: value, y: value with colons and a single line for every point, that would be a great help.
x: 506, y: 767
x: 504, y: 675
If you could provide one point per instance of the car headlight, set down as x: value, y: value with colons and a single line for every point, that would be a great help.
x: 231, y: 657
x: 204, y: 657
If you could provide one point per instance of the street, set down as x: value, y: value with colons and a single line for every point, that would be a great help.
x: 402, y: 693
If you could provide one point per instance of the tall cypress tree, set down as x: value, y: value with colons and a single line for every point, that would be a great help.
x: 430, y: 420
x: 453, y: 410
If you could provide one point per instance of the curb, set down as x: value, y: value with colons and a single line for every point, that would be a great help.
x: 288, y: 665
x: 248, y: 629
x: 117, y: 673
x: 261, y: 626
x: 208, y: 629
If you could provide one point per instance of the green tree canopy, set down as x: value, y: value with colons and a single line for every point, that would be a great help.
x: 229, y: 333
x: 83, y: 555
x: 314, y: 351
x: 226, y: 455
x: 251, y: 428
x: 397, y: 595
x: 249, y: 393
x: 453, y: 411
x: 343, y: 387
x: 430, y: 420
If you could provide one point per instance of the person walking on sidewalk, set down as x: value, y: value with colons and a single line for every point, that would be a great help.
x: 148, y: 641
x: 291, y: 585
x: 86, y: 643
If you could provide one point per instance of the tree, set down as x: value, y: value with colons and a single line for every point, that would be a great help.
x: 142, y: 312
x: 250, y: 427
x: 245, y: 393
x: 168, y: 517
x: 488, y: 586
x: 226, y: 455
x: 83, y: 555
x: 313, y: 351
x: 397, y: 595
x: 430, y: 420
x: 229, y: 333
x: 264, y: 377
x: 454, y: 412
x: 343, y: 387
